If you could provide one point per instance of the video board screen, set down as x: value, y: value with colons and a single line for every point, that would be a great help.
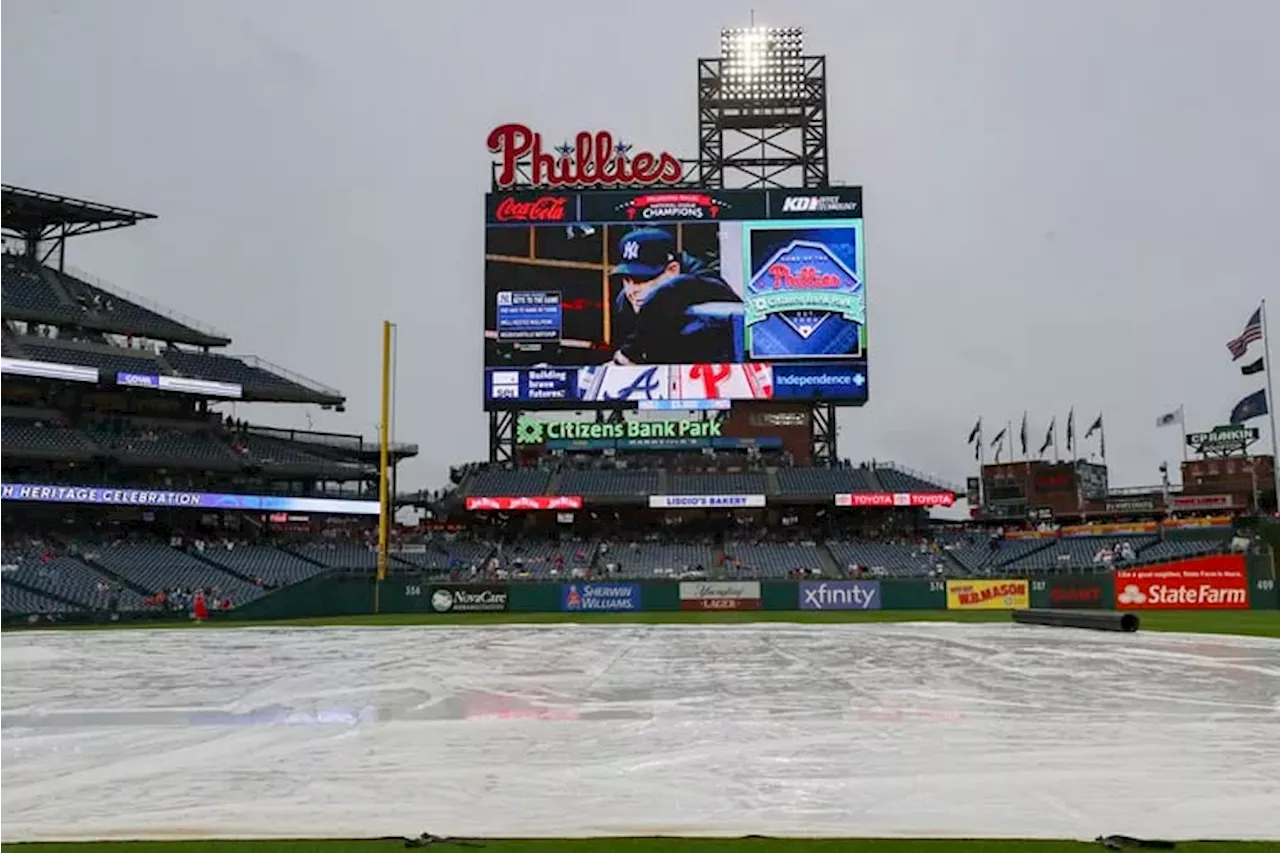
x: 613, y: 298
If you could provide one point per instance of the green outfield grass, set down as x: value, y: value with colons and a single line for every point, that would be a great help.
x: 629, y: 845
x: 1260, y: 623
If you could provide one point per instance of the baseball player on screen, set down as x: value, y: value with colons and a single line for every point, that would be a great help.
x: 670, y: 309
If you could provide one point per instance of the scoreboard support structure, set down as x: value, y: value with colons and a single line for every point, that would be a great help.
x: 757, y: 129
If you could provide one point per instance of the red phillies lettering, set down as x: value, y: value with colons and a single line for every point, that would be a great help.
x: 596, y: 161
x: 549, y: 208
x: 711, y: 375
x: 807, y: 277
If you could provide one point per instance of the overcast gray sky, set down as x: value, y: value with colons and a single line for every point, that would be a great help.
x: 1067, y: 203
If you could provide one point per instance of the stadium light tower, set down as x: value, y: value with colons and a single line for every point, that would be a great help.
x: 762, y: 111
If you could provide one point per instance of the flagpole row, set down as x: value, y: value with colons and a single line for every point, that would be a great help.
x: 1271, y: 399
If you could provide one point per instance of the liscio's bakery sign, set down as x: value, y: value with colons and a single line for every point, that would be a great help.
x: 591, y: 159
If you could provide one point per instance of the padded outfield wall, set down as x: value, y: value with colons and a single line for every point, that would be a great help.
x: 1215, y: 582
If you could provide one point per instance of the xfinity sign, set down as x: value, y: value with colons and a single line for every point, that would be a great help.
x: 840, y: 595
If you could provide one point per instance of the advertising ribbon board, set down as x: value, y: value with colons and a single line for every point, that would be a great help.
x: 599, y: 597
x: 988, y: 595
x: 1217, y: 582
x: 705, y: 501
x: 1075, y: 594
x: 840, y: 595
x: 720, y: 595
x: 469, y: 599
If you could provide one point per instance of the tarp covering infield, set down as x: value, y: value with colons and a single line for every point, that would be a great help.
x: 993, y: 730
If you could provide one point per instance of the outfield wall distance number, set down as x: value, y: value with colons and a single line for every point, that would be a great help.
x: 412, y: 591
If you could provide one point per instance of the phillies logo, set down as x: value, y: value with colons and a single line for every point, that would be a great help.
x: 549, y: 208
x: 595, y: 159
x: 807, y: 277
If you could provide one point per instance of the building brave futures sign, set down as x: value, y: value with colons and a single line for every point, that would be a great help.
x: 592, y: 159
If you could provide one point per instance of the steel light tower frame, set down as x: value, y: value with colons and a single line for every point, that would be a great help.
x: 762, y: 124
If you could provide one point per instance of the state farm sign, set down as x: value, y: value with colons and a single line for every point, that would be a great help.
x: 1217, y: 582
x: 591, y: 160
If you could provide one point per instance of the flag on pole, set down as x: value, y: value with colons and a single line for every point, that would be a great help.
x: 1253, y: 406
x: 1071, y: 430
x: 1250, y: 369
x: 1096, y: 426
x: 975, y: 432
x: 1170, y: 418
x: 1048, y: 436
x: 999, y: 437
x: 1022, y: 434
x: 1252, y: 332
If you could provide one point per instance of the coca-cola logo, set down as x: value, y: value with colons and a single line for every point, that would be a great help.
x: 594, y: 159
x: 548, y: 208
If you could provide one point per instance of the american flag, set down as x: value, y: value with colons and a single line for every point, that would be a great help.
x: 1252, y: 332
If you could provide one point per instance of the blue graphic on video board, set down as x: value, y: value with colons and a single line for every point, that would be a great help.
x: 528, y: 315
x: 831, y: 381
x: 532, y: 384
x: 805, y: 298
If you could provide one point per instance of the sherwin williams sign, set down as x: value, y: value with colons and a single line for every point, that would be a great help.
x: 988, y: 595
x: 599, y: 597
x: 840, y: 595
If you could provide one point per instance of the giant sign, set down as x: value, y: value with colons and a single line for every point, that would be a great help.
x: 593, y: 159
x: 622, y: 298
x: 1215, y: 582
x: 178, y: 499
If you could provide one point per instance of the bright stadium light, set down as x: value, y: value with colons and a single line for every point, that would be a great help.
x: 762, y: 63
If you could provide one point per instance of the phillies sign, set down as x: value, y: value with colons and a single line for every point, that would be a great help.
x: 591, y: 160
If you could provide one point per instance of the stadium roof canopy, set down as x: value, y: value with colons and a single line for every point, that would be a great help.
x: 31, y: 213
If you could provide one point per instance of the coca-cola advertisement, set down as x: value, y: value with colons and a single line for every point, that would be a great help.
x: 599, y: 299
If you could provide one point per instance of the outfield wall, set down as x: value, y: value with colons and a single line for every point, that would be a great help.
x: 1218, y: 582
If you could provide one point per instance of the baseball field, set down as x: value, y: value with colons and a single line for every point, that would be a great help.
x: 1253, y: 623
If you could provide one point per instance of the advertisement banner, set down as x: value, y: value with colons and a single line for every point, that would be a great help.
x: 1075, y: 594
x: 1135, y: 528
x: 705, y: 501
x: 819, y: 382
x: 988, y: 595
x: 520, y: 504
x: 469, y: 598
x: 1217, y: 582
x: 599, y: 597
x: 900, y: 499
x: 840, y: 595
x: 1192, y: 503
x: 719, y: 595
x: 113, y: 496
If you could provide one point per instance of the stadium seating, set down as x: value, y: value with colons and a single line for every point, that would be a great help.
x: 108, y: 360
x: 156, y: 567
x: 336, y: 554
x: 771, y: 559
x: 890, y: 559
x: 194, y: 448
x: 542, y: 558
x: 28, y: 291
x: 22, y: 437
x: 119, y: 312
x: 717, y: 484
x: 272, y: 565
x: 1178, y: 549
x: 513, y: 482
x: 16, y: 600
x: 895, y: 479
x: 825, y: 482
x: 1075, y: 553
x: 654, y: 559
x: 443, y: 554
x: 225, y: 368
x: 69, y: 578
x: 609, y: 482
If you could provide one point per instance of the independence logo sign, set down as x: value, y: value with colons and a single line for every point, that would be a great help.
x: 840, y: 595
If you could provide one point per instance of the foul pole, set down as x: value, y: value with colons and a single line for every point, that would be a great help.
x: 384, y: 473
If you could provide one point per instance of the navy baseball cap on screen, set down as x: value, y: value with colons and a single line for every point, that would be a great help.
x: 644, y: 253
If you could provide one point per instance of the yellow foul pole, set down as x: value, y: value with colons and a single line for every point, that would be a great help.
x: 384, y: 474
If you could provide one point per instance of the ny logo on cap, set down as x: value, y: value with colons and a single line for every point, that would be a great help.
x: 630, y: 250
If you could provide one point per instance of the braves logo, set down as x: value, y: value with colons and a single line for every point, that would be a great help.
x: 644, y: 387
